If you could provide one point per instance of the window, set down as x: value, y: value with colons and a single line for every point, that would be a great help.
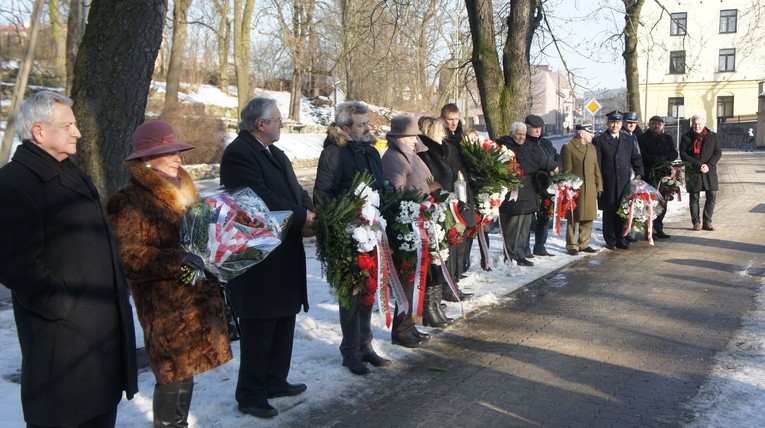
x: 678, y: 23
x: 676, y: 107
x: 724, y: 106
x: 727, y: 60
x: 728, y: 21
x: 677, y: 62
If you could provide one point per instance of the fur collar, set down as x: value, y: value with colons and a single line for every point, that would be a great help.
x: 337, y: 136
x: 177, y: 199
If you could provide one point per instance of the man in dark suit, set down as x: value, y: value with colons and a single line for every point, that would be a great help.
x: 270, y: 294
x: 60, y: 260
x: 618, y: 158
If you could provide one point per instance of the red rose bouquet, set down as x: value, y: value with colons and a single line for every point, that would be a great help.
x: 231, y: 231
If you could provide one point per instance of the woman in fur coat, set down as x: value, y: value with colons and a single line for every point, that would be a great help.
x: 185, y: 328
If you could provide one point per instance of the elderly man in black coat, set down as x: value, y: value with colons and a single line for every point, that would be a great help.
x: 269, y: 295
x: 60, y: 260
x: 517, y: 209
x: 700, y: 148
x: 618, y: 158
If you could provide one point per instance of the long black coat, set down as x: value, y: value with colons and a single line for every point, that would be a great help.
x: 655, y: 148
x: 531, y: 161
x: 546, y: 149
x: 444, y: 162
x: 710, y: 155
x: 275, y: 287
x: 340, y: 161
x: 618, y: 158
x: 70, y: 298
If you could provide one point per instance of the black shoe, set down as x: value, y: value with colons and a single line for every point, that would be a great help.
x: 573, y: 252
x: 421, y: 335
x: 589, y: 250
x: 264, y: 410
x: 610, y: 246
x: 405, y: 339
x: 524, y: 262
x: 661, y: 235
x: 287, y: 391
x: 355, y: 363
x: 529, y: 255
x: 623, y: 246
x: 543, y: 253
x: 465, y: 296
x: 375, y: 360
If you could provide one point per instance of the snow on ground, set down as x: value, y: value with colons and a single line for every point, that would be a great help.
x: 733, y: 395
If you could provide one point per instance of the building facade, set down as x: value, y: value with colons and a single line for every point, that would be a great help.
x: 552, y: 99
x: 701, y: 57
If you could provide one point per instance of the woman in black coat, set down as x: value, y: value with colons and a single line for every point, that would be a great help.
x: 60, y: 261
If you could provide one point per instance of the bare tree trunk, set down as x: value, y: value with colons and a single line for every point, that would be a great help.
x: 504, y: 91
x: 75, y: 27
x: 223, y: 37
x: 242, y: 26
x: 632, y: 20
x: 175, y: 67
x: 110, y: 95
x: 59, y: 39
x: 21, y: 83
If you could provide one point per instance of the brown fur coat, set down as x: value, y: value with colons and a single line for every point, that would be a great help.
x: 184, y: 326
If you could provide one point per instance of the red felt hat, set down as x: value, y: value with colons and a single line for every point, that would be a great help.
x: 156, y: 138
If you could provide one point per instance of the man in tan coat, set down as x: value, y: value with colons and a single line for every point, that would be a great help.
x: 580, y: 158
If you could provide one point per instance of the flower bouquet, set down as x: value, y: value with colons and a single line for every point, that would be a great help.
x: 406, y: 212
x: 669, y: 178
x: 231, y: 231
x: 496, y: 165
x: 560, y: 197
x: 353, y: 251
x: 640, y: 205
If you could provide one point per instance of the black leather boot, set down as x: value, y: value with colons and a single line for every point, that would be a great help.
x: 420, y: 334
x: 165, y: 405
x: 431, y: 306
x: 438, y: 309
x: 184, y: 402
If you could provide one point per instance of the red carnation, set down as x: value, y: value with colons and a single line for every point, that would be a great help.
x: 371, y: 284
x: 367, y: 299
x: 366, y: 262
x: 406, y: 265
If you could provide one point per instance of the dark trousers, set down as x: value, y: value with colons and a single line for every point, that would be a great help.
x: 105, y: 420
x: 515, y: 229
x: 265, y: 356
x: 658, y: 223
x: 403, y: 322
x: 709, y: 206
x: 613, y: 229
x: 357, y: 329
x: 541, y: 226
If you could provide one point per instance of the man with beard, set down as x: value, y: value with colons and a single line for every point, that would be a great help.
x: 618, y: 158
x: 544, y: 147
x: 656, y: 146
x: 348, y: 150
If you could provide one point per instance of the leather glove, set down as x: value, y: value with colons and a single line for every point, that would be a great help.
x: 476, y: 183
x: 193, y: 261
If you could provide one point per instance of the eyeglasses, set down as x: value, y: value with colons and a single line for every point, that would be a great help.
x: 278, y: 119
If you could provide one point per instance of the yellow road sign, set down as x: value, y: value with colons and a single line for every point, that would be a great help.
x: 593, y: 106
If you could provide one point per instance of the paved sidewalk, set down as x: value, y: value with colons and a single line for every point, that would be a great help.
x: 621, y: 338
